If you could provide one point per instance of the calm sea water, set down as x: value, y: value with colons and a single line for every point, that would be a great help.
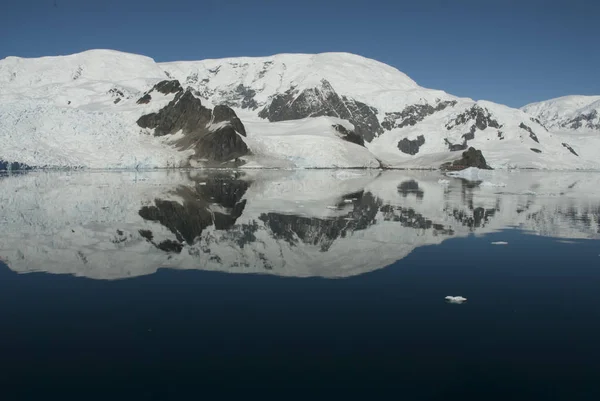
x: 184, y: 285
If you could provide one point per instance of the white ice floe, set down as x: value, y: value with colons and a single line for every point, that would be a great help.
x: 492, y: 184
x: 499, y: 243
x: 455, y: 299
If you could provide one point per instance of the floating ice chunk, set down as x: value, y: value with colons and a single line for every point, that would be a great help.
x: 441, y: 181
x: 455, y: 299
x: 492, y: 184
x: 332, y: 207
x: 202, y: 183
x: 349, y: 200
x: 499, y: 243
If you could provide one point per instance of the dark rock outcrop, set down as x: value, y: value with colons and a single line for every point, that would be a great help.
x: 242, y: 96
x: 584, y: 120
x: 413, y: 114
x: 532, y: 135
x: 536, y: 150
x: 411, y: 147
x: 167, y: 87
x: 323, y: 101
x: 144, y: 99
x: 470, y: 135
x: 226, y: 114
x: 202, y: 128
x: 349, y: 136
x: 481, y: 116
x: 470, y: 158
x: 569, y: 148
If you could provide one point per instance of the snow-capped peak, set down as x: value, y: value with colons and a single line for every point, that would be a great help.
x: 574, y: 112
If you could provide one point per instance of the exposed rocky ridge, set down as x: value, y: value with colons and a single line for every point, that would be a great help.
x: 413, y: 114
x: 568, y: 112
x: 212, y: 134
x: 588, y: 120
x: 479, y: 115
x: 323, y: 100
x: 532, y: 135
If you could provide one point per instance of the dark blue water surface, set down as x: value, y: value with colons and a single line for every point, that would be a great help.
x: 529, y: 330
x: 185, y: 286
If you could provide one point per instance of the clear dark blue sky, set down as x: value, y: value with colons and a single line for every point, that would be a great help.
x: 512, y: 52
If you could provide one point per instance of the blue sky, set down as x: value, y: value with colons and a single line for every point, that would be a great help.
x: 511, y: 52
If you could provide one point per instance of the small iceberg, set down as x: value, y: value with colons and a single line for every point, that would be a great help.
x: 455, y: 299
x: 499, y: 243
x: 492, y: 184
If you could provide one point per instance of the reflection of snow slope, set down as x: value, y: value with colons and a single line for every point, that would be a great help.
x: 292, y: 223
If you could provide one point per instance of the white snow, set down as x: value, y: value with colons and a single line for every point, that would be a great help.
x: 499, y: 243
x: 61, y: 112
x: 555, y: 112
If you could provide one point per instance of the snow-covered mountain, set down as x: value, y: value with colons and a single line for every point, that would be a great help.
x: 329, y: 223
x: 106, y: 109
x: 577, y: 113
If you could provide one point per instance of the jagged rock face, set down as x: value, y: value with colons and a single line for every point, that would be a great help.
x: 323, y: 101
x: 187, y: 114
x: 584, y: 121
x: 481, y: 117
x: 470, y: 158
x: 224, y: 113
x: 536, y: 150
x: 348, y: 135
x: 411, y: 147
x: 413, y: 114
x: 532, y: 135
x: 241, y: 96
x: 167, y: 87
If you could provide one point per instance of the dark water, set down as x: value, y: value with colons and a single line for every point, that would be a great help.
x: 529, y: 329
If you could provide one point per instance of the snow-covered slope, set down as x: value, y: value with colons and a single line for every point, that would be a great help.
x: 578, y: 113
x: 297, y: 110
x: 329, y: 223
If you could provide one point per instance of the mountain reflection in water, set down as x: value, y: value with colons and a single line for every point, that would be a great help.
x: 111, y: 225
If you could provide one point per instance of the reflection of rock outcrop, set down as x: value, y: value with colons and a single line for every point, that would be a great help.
x: 323, y: 232
x: 187, y: 219
x: 117, y: 225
